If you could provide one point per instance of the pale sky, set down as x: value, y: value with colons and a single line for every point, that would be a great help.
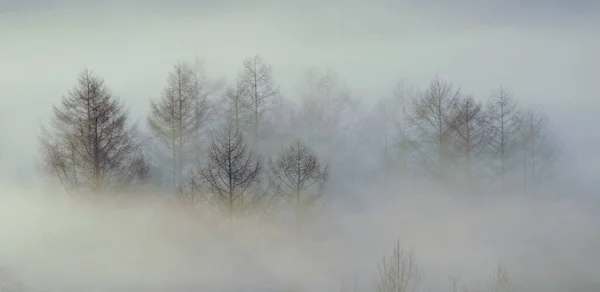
x: 546, y: 52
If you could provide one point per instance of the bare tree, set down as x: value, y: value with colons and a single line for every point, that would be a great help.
x: 260, y: 88
x: 432, y: 118
x: 538, y: 151
x: 325, y: 103
x: 299, y: 177
x: 500, y: 282
x: 398, y: 272
x: 176, y: 120
x: 504, y: 124
x: 89, y: 146
x: 230, y: 173
x: 237, y: 103
x: 327, y: 117
x: 386, y: 125
x: 469, y: 127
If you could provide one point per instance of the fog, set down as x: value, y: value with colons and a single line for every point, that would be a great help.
x: 56, y: 244
x: 545, y: 52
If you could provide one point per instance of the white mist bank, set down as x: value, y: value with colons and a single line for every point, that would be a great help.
x: 53, y: 242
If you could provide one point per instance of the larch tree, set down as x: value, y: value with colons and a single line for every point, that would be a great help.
x: 538, y: 151
x: 260, y: 89
x: 469, y: 127
x: 398, y: 272
x: 327, y: 117
x: 237, y: 103
x: 504, y: 128
x: 89, y: 146
x: 325, y: 102
x: 386, y: 126
x: 230, y: 175
x: 299, y: 177
x: 432, y: 115
x: 176, y: 120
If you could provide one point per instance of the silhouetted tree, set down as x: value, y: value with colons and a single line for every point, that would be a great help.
x: 432, y: 118
x: 469, y: 127
x: 386, y: 127
x: 504, y: 127
x: 325, y: 103
x: 538, y: 151
x: 260, y: 89
x: 176, y: 120
x: 299, y: 177
x: 232, y: 171
x: 89, y: 145
x: 238, y: 103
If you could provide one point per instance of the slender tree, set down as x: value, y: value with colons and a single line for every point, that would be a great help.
x: 504, y: 128
x: 89, y: 146
x: 398, y: 272
x: 328, y: 115
x: 238, y: 103
x: 299, y: 177
x: 432, y: 116
x: 326, y: 103
x: 259, y: 87
x: 386, y: 125
x: 469, y: 127
x: 538, y: 151
x: 177, y: 119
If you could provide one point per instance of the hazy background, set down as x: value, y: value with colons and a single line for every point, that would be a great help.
x: 546, y: 52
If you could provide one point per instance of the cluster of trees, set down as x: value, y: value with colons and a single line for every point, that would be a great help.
x: 239, y: 145
x: 460, y: 141
x: 208, y: 136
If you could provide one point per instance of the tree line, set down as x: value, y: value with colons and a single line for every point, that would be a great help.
x: 238, y: 145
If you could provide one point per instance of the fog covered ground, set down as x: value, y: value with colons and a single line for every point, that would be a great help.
x: 57, y: 244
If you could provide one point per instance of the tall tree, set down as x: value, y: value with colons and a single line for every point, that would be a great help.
x: 299, y: 177
x: 326, y: 103
x: 538, y: 151
x: 230, y: 174
x: 469, y: 127
x: 237, y: 103
x: 386, y: 126
x: 326, y: 117
x: 89, y: 146
x: 176, y: 120
x: 504, y: 127
x: 260, y: 88
x: 432, y: 115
